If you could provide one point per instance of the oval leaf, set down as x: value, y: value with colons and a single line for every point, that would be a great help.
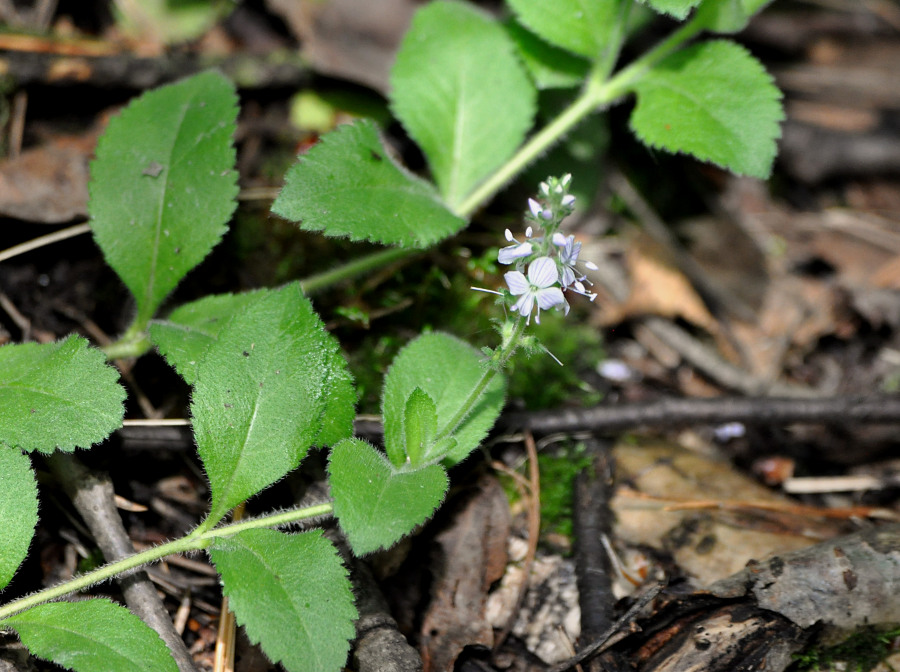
x: 57, y: 395
x: 447, y: 370
x: 259, y: 400
x: 462, y: 95
x: 18, y: 510
x: 348, y: 185
x: 292, y: 595
x: 375, y: 503
x: 419, y: 426
x: 91, y: 636
x: 677, y: 8
x: 712, y: 100
x: 163, y: 184
x: 583, y: 27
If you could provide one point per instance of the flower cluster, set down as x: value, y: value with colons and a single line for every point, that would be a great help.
x: 545, y: 264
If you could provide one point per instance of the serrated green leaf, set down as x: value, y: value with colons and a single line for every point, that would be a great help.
x: 375, y: 503
x: 340, y: 397
x: 677, y: 8
x: 292, y: 595
x: 447, y: 370
x: 550, y: 67
x: 59, y: 395
x: 18, y: 510
x: 91, y: 636
x: 163, y: 184
x: 419, y: 425
x: 713, y: 100
x: 186, y: 334
x: 727, y: 16
x: 584, y: 27
x: 348, y: 185
x: 461, y: 94
x: 259, y: 400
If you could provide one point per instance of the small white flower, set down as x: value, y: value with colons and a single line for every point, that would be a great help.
x: 568, y: 199
x: 539, y: 287
x: 510, y: 253
x: 538, y: 210
x: 568, y: 257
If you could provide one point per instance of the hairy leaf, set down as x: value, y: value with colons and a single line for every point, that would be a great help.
x: 375, y: 503
x: 292, y: 595
x: 461, y: 94
x: 163, y: 184
x: 419, y: 425
x: 348, y: 185
x: 446, y: 369
x: 57, y: 395
x: 186, y: 334
x: 583, y: 27
x: 550, y: 67
x: 728, y: 16
x: 677, y: 8
x: 259, y: 400
x: 712, y: 100
x: 91, y: 636
x: 18, y: 510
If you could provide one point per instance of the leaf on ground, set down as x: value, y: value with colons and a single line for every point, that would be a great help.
x: 259, y: 402
x: 292, y: 595
x: 91, y: 636
x: 375, y: 503
x: 348, y: 185
x: 713, y: 100
x: 163, y: 184
x: 447, y: 370
x: 461, y: 94
x: 59, y: 395
x: 584, y: 27
x: 18, y: 510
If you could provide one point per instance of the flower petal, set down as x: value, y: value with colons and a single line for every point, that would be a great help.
x: 510, y: 253
x: 549, y: 297
x: 543, y: 272
x: 517, y: 282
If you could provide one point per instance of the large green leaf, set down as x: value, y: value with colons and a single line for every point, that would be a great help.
x: 376, y: 503
x: 460, y: 92
x: 348, y: 185
x: 583, y: 27
x: 163, y: 184
x: 712, y: 100
x: 18, y: 510
x: 292, y: 595
x: 91, y: 636
x: 447, y: 370
x: 57, y: 395
x: 728, y: 16
x: 259, y: 400
x: 550, y: 67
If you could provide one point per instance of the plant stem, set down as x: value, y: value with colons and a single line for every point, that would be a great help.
x: 133, y: 343
x: 197, y: 540
x: 506, y: 351
x: 370, y: 262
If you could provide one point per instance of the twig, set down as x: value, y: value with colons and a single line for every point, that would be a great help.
x: 41, y: 241
x: 93, y: 495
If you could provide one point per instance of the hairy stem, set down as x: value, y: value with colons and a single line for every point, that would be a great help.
x: 195, y: 541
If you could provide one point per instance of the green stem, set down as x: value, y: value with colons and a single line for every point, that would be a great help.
x: 197, y: 540
x: 133, y: 343
x: 370, y: 262
x: 507, y: 349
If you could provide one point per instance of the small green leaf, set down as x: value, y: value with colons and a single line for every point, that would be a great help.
x: 292, y: 595
x: 186, y: 334
x: 18, y: 510
x: 461, y: 94
x: 728, y: 16
x: 715, y: 101
x: 420, y: 426
x: 447, y: 370
x: 57, y: 395
x: 375, y: 503
x: 348, y: 185
x: 677, y: 8
x: 91, y: 636
x: 550, y: 67
x: 259, y: 400
x: 163, y: 184
x: 584, y: 27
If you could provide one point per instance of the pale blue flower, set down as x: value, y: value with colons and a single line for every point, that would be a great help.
x: 539, y: 287
x: 539, y: 211
x: 510, y: 253
x: 568, y: 257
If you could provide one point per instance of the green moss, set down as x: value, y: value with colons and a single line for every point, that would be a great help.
x: 558, y: 471
x: 859, y: 653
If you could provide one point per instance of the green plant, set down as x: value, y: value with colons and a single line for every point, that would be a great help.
x: 860, y: 652
x: 269, y: 383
